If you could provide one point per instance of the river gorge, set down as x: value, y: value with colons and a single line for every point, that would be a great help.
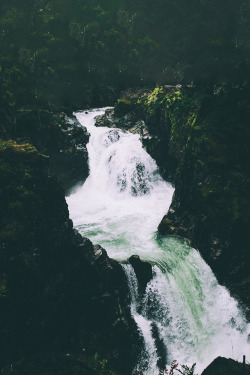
x: 184, y: 314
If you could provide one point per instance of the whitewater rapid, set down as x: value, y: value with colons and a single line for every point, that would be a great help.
x: 119, y: 207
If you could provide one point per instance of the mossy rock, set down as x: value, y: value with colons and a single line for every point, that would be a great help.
x: 124, y: 106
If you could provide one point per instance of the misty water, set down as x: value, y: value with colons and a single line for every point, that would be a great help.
x: 119, y: 207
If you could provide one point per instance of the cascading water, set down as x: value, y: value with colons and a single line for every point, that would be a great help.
x: 184, y: 315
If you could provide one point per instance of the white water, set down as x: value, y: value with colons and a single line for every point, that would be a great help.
x: 119, y: 207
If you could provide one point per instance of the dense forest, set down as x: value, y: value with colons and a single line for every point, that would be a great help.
x: 86, y: 52
x: 183, y: 68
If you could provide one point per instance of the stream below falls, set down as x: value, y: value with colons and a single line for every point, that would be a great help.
x: 119, y: 207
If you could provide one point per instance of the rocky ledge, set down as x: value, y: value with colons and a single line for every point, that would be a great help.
x: 57, y: 136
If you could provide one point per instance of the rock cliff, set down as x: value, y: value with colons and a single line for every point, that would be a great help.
x: 57, y: 136
x: 58, y: 292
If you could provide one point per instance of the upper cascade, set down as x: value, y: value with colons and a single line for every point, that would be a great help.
x: 119, y: 163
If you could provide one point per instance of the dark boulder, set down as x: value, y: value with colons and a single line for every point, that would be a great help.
x: 143, y: 271
x: 225, y: 366
x: 106, y: 119
x: 129, y: 122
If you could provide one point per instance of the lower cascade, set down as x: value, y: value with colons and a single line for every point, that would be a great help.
x: 184, y: 314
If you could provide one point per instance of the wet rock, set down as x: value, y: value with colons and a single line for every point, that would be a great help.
x: 225, y: 366
x: 160, y: 347
x: 170, y: 225
x: 143, y: 271
x: 166, y: 226
x: 60, y: 137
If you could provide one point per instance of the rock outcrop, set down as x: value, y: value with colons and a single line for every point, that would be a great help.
x: 225, y: 366
x: 143, y: 271
x: 58, y: 292
x: 61, y: 138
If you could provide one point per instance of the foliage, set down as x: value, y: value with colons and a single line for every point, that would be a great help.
x: 174, y: 367
x: 100, y: 366
x: 80, y: 52
x: 187, y: 370
x: 56, y: 363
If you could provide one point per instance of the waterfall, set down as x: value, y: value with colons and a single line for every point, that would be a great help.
x: 148, y: 357
x: 184, y: 314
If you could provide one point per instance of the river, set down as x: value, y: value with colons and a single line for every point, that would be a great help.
x: 184, y: 315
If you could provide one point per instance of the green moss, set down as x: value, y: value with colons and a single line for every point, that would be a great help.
x: 12, y: 230
x: 12, y: 146
x: 16, y: 207
x: 124, y: 106
x: 3, y: 288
